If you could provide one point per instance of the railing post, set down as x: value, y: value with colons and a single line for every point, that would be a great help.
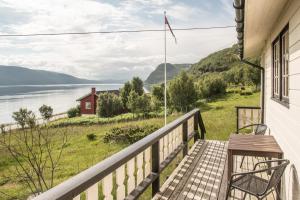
x: 201, y: 125
x: 155, y: 167
x: 237, y: 119
x: 185, y: 138
x: 196, y: 128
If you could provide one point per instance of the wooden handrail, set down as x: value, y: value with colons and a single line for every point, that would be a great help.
x: 87, y: 178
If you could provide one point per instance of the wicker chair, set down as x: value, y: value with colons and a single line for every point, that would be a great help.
x: 251, y: 183
x: 258, y: 129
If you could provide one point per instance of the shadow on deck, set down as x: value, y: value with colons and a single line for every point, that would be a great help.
x: 203, y: 174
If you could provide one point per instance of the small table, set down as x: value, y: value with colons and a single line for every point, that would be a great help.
x: 252, y: 145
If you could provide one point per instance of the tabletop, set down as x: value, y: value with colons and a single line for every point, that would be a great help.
x: 254, y: 143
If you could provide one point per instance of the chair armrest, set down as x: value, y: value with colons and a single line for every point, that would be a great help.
x: 251, y: 125
x: 267, y: 162
x: 232, y: 178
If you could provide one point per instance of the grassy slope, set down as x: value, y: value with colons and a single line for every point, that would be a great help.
x: 218, y: 116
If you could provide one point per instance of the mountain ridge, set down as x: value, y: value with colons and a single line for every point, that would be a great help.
x: 157, y: 76
x: 16, y: 75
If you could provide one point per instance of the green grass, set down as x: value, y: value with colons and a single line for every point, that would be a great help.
x: 219, y: 118
x: 94, y: 120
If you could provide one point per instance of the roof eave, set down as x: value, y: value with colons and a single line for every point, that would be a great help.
x: 239, y: 6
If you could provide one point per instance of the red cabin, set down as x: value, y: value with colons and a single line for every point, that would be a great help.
x: 88, y: 103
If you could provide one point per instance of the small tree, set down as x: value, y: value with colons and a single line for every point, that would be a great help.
x: 46, y: 112
x: 144, y: 104
x: 137, y: 85
x: 211, y: 86
x: 133, y: 102
x: 109, y: 105
x: 125, y: 91
x: 182, y: 92
x: 158, y: 92
x: 24, y: 117
x: 36, y: 152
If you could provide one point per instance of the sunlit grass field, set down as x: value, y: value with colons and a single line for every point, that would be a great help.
x: 219, y: 118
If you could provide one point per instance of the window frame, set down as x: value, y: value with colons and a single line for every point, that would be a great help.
x: 88, y: 107
x: 282, y: 96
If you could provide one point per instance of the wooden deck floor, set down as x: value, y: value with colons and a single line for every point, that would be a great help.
x: 202, y: 174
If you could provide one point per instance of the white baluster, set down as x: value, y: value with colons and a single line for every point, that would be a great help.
x: 92, y: 192
x: 180, y: 134
x: 120, y: 177
x: 107, y: 185
x: 140, y: 171
x: 147, y: 161
x: 165, y: 147
x: 174, y: 139
x: 169, y: 136
x: 130, y: 174
x: 161, y: 150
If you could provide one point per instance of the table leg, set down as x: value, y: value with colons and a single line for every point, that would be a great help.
x: 230, y: 164
x: 280, y: 156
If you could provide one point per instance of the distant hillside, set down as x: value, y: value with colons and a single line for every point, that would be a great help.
x: 219, y: 61
x: 157, y: 76
x: 12, y: 75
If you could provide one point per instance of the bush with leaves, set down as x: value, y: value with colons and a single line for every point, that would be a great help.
x: 24, y: 118
x: 124, y: 94
x: 139, y: 104
x: 182, y: 92
x: 91, y: 136
x: 128, y: 134
x: 46, y: 112
x: 109, y: 105
x: 73, y: 112
x: 211, y: 85
x: 137, y: 85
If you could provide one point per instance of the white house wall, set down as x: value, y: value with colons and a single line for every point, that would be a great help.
x: 284, y: 122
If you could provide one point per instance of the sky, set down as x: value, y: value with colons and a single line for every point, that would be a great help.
x: 111, y: 56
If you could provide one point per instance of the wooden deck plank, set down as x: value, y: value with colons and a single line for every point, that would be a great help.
x: 203, y: 174
x: 178, y: 180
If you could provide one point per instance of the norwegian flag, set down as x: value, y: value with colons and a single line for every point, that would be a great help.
x: 167, y: 23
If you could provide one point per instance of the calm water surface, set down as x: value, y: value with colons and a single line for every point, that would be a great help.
x: 59, y: 97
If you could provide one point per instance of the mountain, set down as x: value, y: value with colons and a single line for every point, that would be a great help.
x: 157, y: 76
x: 219, y: 61
x: 13, y: 75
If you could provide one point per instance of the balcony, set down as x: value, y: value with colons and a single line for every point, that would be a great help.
x: 201, y: 172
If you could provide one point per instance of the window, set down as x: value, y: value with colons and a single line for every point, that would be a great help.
x: 88, y: 105
x: 280, y: 68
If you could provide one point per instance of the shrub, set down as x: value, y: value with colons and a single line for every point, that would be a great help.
x: 246, y: 92
x: 46, y: 112
x: 211, y: 86
x: 73, y: 112
x: 182, y: 92
x: 91, y: 137
x: 109, y: 105
x: 128, y: 134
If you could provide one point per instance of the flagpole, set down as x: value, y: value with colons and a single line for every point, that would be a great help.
x: 165, y: 94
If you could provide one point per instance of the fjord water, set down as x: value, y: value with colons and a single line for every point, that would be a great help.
x: 59, y: 97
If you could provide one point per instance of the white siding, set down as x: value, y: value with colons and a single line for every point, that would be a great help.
x: 284, y: 123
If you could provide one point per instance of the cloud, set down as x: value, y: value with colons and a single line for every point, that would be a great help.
x: 110, y: 56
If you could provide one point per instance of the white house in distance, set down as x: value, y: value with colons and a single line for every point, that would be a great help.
x: 271, y: 29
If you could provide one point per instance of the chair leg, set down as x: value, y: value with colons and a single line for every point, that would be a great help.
x: 242, y: 161
x: 228, y: 191
x: 245, y: 196
x: 277, y: 194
